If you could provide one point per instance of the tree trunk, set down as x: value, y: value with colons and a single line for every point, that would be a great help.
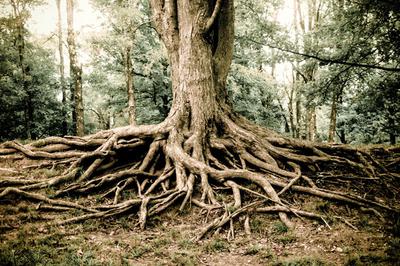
x: 130, y: 86
x: 76, y: 71
x: 298, y: 116
x: 291, y: 95
x: 18, y: 10
x: 62, y: 75
x: 392, y: 138
x: 291, y: 117
x: 311, y: 123
x: 200, y: 57
x: 332, y: 121
x: 391, y: 126
x: 342, y: 136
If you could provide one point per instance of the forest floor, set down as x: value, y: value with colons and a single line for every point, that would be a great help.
x: 358, y: 238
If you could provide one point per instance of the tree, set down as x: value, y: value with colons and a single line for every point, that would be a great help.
x: 373, y: 115
x: 125, y: 20
x: 128, y: 26
x: 76, y: 73
x: 202, y: 141
x: 28, y: 102
x: 20, y: 15
x: 62, y: 74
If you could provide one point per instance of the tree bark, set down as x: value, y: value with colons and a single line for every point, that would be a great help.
x: 76, y: 72
x: 312, y: 124
x: 298, y: 116
x: 199, y: 59
x: 61, y: 68
x: 291, y: 94
x: 130, y: 86
x: 332, y: 120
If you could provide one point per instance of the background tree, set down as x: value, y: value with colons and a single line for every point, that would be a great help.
x: 62, y: 74
x: 146, y: 73
x: 28, y: 102
x: 76, y: 74
x: 19, y: 14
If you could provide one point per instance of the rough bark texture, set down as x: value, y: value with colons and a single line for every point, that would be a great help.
x: 201, y: 150
x: 312, y: 123
x: 76, y: 72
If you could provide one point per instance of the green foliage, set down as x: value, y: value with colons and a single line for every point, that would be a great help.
x: 127, y: 26
x: 265, y: 84
x: 255, y: 96
x: 28, y: 97
x: 374, y: 115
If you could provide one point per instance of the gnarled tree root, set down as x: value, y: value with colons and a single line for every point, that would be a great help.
x: 147, y: 169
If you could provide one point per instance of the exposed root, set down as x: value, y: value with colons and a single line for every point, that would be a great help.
x: 145, y: 170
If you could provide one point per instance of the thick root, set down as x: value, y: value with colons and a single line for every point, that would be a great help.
x: 147, y: 169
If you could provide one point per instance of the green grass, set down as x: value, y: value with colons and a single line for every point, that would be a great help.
x: 393, y: 250
x: 28, y: 248
x: 184, y: 258
x: 216, y: 245
x: 368, y: 259
x: 186, y: 244
x: 253, y: 250
x: 286, y: 239
x: 280, y: 227
x: 305, y: 261
x: 258, y: 225
x: 139, y: 251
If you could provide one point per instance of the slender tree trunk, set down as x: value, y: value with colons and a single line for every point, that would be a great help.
x: 285, y: 120
x: 291, y: 119
x: 291, y: 111
x: 130, y: 86
x: 332, y: 123
x: 392, y: 138
x: 18, y: 9
x: 298, y: 117
x: 62, y: 75
x: 392, y: 126
x: 342, y: 136
x: 311, y: 123
x: 76, y: 71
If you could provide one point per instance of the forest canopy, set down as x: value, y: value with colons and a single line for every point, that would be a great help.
x: 315, y: 70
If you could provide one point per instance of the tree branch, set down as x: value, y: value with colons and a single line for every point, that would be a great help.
x: 327, y: 60
x: 333, y: 61
x: 214, y: 15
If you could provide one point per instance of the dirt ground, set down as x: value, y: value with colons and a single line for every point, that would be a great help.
x: 27, y: 239
x: 349, y: 237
